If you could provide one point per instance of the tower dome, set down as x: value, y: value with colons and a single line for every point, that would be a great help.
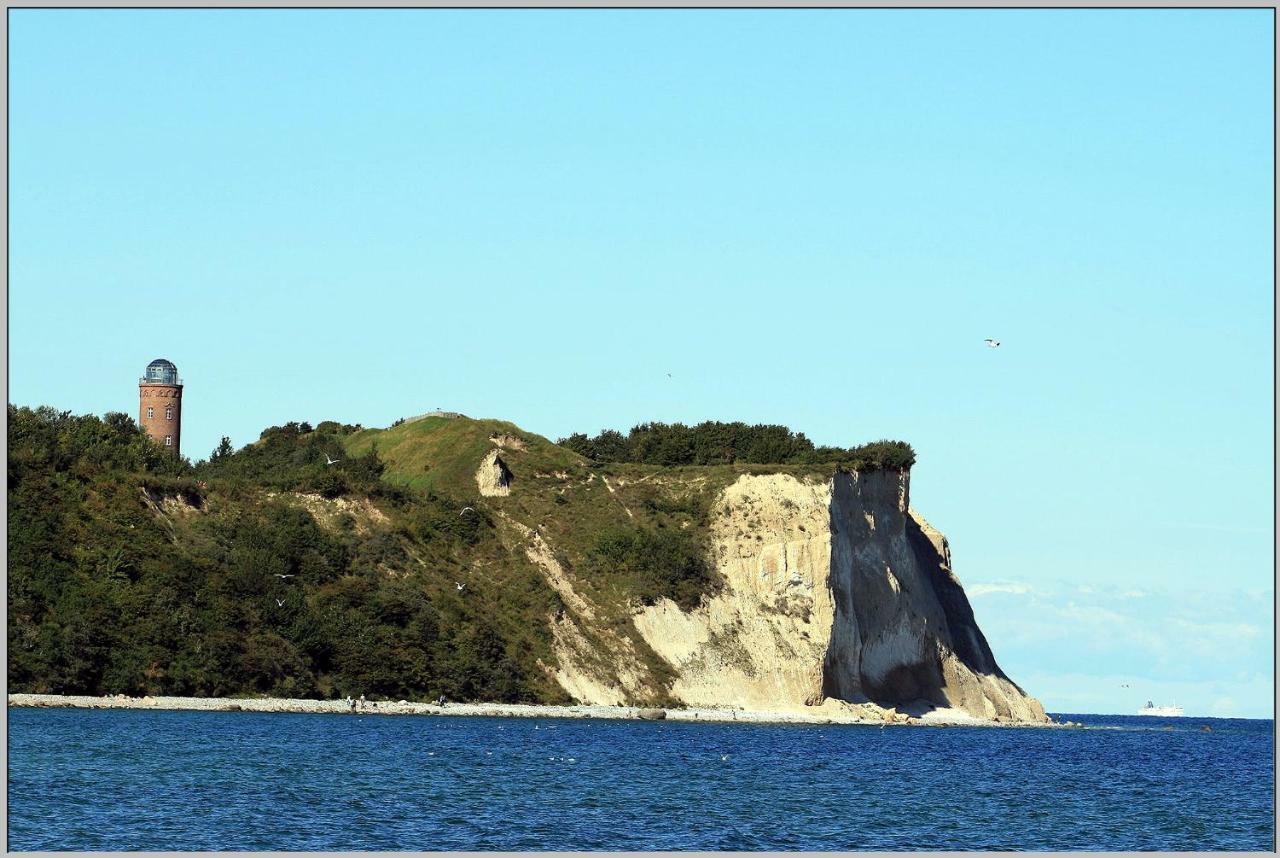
x: 160, y: 371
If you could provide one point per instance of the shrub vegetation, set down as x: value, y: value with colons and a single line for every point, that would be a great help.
x: 715, y: 443
x: 113, y: 590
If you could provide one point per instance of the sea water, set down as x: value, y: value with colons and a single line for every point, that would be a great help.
x: 167, y: 780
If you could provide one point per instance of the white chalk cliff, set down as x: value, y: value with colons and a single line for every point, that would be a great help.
x: 836, y: 594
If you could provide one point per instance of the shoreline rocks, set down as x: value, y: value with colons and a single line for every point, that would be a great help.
x: 492, y: 710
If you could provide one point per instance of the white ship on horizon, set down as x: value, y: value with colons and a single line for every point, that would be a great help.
x: 1160, y: 711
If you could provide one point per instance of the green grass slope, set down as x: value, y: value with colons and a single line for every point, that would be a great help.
x: 442, y: 453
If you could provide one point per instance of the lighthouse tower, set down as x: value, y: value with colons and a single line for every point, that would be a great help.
x: 160, y: 404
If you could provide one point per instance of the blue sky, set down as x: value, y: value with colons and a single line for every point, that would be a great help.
x: 806, y: 217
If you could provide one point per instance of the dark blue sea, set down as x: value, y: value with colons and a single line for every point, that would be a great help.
x: 122, y: 779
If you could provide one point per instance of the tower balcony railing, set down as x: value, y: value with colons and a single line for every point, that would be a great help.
x: 145, y: 380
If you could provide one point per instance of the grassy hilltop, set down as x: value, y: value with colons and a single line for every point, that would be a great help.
x: 265, y: 570
x: 442, y: 453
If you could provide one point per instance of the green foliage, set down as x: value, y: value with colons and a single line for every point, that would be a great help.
x: 435, y: 518
x: 333, y: 427
x: 295, y: 457
x: 222, y: 451
x: 655, y: 562
x: 441, y: 453
x: 135, y: 573
x: 82, y: 446
x: 880, y: 455
x: 716, y: 443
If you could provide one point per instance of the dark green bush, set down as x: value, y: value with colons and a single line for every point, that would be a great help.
x: 295, y: 457
x: 656, y: 563
x: 716, y: 443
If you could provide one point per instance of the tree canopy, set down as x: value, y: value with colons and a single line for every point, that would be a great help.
x: 133, y: 571
x: 716, y: 443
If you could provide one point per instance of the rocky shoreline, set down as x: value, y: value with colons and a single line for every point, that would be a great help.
x: 831, y: 713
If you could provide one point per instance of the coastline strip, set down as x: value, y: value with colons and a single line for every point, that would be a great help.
x: 492, y: 710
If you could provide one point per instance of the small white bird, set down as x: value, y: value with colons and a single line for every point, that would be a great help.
x: 992, y: 344
x: 280, y: 602
x: 460, y: 585
x: 329, y: 461
x: 278, y: 575
x: 464, y: 510
x: 724, y: 758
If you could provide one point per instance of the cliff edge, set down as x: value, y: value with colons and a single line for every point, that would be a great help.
x: 833, y: 592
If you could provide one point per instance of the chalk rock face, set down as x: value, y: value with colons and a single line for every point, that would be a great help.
x: 904, y: 631
x: 493, y: 477
x: 759, y: 643
x: 836, y: 594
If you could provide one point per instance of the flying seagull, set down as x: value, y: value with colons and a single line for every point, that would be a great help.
x: 280, y: 603
x: 460, y: 586
x: 278, y: 575
x: 464, y: 510
x: 329, y: 461
x: 992, y: 344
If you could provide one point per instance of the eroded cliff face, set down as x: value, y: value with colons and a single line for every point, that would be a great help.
x: 760, y: 643
x: 837, y: 594
x: 904, y: 632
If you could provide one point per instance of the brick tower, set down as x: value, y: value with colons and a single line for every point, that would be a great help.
x: 160, y: 404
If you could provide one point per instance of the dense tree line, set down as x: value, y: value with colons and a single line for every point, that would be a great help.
x: 716, y: 443
x: 237, y: 592
x: 296, y: 457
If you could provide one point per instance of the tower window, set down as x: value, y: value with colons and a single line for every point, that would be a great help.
x: 168, y: 440
x: 151, y: 412
x: 168, y: 414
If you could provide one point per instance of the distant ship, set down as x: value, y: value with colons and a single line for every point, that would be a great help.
x: 1161, y: 711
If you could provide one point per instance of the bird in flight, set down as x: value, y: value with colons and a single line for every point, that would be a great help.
x: 464, y: 510
x: 668, y: 375
x: 278, y: 575
x: 460, y: 586
x: 329, y: 461
x: 280, y: 603
x: 992, y: 344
